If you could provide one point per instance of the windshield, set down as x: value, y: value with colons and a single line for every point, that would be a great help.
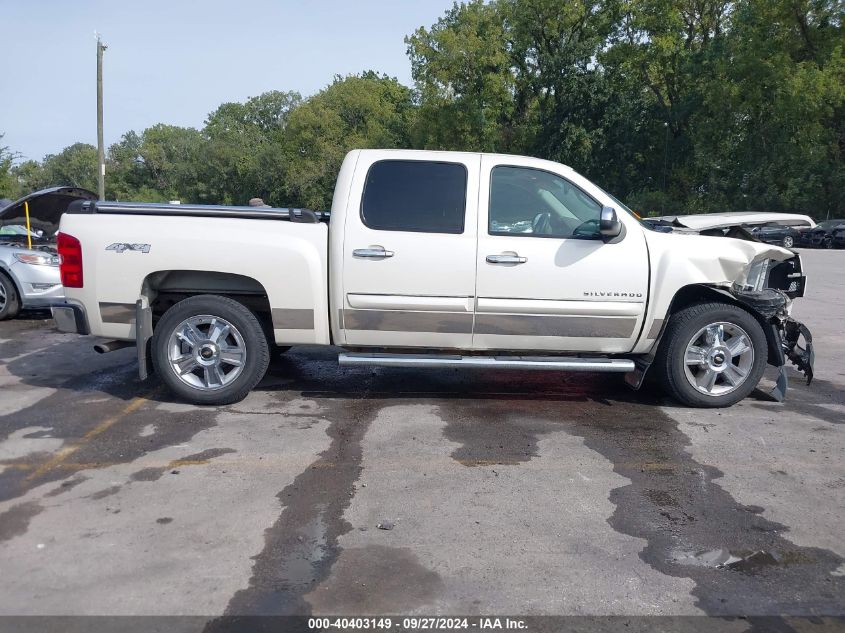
x: 624, y: 206
x: 829, y: 224
x: 16, y: 229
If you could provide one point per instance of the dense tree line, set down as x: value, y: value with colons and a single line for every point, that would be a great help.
x: 673, y: 105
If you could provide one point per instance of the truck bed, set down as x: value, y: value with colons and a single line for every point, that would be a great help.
x: 199, y: 210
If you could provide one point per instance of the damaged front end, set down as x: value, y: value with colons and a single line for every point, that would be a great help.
x: 767, y: 290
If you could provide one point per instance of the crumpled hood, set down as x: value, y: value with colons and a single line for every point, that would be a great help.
x: 707, y: 259
x: 45, y: 208
x: 727, y: 220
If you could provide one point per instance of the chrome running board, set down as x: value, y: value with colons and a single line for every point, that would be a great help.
x: 548, y: 363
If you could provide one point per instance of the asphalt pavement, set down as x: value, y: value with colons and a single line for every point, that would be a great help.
x: 398, y: 491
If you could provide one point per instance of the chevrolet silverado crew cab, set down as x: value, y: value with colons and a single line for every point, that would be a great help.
x: 432, y: 259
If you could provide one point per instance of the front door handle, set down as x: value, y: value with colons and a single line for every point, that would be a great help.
x: 506, y: 259
x: 374, y: 252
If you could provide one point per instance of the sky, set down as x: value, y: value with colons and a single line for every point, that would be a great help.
x: 175, y: 61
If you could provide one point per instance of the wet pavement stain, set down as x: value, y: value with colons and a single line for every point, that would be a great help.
x: 105, y: 492
x: 65, y: 486
x: 83, y: 399
x: 673, y: 501
x: 147, y: 474
x: 500, y: 439
x: 301, y: 546
x: 376, y: 579
x: 154, y: 473
x: 15, y: 521
x: 502, y: 418
x: 683, y: 511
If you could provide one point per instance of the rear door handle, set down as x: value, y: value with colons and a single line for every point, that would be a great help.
x: 506, y: 259
x: 377, y: 252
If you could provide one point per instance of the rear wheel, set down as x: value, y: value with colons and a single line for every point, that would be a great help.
x: 10, y: 303
x: 713, y: 355
x: 788, y: 242
x: 827, y: 243
x: 210, y: 349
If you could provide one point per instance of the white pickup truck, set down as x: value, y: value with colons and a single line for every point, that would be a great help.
x: 432, y: 259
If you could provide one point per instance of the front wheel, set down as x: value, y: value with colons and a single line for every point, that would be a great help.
x: 713, y: 355
x: 210, y: 349
x: 788, y: 242
x: 10, y: 304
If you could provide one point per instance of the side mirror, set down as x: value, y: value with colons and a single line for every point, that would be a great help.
x: 609, y: 224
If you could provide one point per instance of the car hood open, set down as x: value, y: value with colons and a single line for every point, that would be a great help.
x: 45, y: 208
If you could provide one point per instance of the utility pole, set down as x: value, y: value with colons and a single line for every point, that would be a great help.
x: 665, y: 168
x: 101, y: 152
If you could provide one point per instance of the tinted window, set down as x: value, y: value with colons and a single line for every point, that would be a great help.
x: 533, y: 202
x: 404, y: 195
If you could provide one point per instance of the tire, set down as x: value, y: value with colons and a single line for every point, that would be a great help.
x: 218, y: 346
x: 689, y: 355
x: 788, y: 242
x: 10, y: 303
x: 827, y: 243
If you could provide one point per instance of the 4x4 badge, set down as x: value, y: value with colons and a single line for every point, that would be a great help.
x: 119, y: 247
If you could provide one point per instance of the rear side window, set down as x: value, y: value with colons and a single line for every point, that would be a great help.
x: 417, y: 196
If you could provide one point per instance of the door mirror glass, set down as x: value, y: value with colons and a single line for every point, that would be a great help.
x: 609, y: 225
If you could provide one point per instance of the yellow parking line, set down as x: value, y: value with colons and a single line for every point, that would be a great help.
x: 187, y: 462
x: 102, y: 427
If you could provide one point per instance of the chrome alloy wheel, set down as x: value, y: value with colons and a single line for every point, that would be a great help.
x: 206, y: 352
x: 718, y: 358
x: 3, y: 297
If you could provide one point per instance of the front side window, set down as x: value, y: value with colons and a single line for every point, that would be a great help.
x: 417, y: 196
x: 533, y: 202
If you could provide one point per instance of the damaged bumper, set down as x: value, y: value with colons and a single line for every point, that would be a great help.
x: 802, y: 356
x: 788, y: 339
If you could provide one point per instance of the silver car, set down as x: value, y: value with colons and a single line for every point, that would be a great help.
x: 29, y: 263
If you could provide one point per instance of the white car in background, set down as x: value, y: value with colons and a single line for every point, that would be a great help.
x: 29, y: 266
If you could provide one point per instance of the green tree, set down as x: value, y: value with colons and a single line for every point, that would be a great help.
x: 553, y: 51
x: 8, y: 185
x: 74, y: 166
x: 245, y: 150
x: 164, y: 162
x: 30, y: 176
x: 461, y: 67
x: 358, y: 111
x: 770, y: 133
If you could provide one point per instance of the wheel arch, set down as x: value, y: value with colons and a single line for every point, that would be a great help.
x: 4, y: 270
x: 701, y: 293
x: 164, y: 288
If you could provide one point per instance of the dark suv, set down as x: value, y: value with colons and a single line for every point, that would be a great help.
x: 822, y: 235
x: 838, y: 237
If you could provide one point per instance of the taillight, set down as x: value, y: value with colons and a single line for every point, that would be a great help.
x: 70, y: 264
